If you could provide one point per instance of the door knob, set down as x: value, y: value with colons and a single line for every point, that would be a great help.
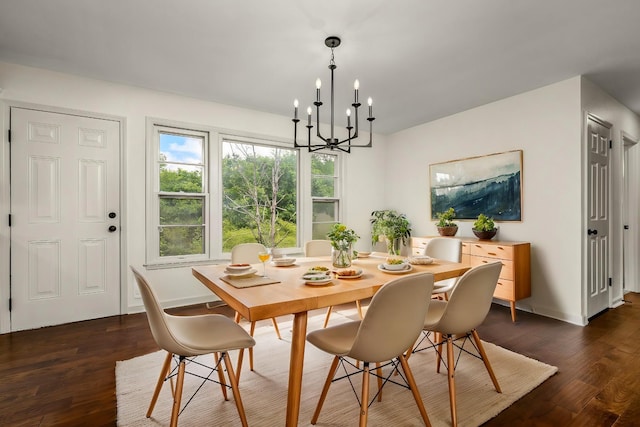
x: 112, y: 228
x: 112, y: 215
x: 590, y: 232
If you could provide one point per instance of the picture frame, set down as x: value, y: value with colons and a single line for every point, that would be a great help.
x: 490, y: 184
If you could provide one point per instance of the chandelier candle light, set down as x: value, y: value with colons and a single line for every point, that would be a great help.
x: 332, y: 142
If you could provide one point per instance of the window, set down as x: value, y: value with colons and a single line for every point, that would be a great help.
x: 209, y: 191
x: 180, y: 183
x: 324, y: 193
x: 259, y: 194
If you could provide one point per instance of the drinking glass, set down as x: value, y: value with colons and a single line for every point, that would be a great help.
x: 264, y: 257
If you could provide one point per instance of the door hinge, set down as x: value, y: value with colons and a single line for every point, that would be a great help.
x: 9, y: 135
x: 10, y: 304
x: 9, y: 220
x: 610, y: 282
x: 610, y: 143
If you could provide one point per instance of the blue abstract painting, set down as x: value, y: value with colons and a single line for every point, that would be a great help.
x: 490, y: 184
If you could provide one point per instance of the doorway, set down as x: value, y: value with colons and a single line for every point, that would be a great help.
x: 65, y: 218
x: 630, y: 215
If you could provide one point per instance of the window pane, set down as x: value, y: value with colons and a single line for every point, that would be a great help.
x: 181, y: 163
x: 181, y: 149
x: 181, y: 178
x: 323, y: 178
x: 325, y: 214
x: 181, y: 211
x: 177, y: 240
x: 259, y: 195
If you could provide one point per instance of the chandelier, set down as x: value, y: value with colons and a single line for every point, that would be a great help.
x: 332, y: 142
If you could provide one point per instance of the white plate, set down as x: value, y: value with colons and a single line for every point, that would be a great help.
x: 420, y: 260
x: 364, y: 254
x: 356, y: 276
x: 325, y: 272
x: 318, y: 282
x: 241, y: 273
x: 407, y: 269
x: 316, y: 276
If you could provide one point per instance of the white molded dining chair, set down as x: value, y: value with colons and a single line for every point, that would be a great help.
x: 313, y: 248
x: 248, y: 253
x: 183, y: 338
x: 391, y: 325
x: 448, y: 249
x: 457, y: 319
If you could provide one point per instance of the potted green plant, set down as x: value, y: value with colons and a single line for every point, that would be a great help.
x: 394, y: 227
x: 445, y: 224
x: 342, y: 239
x: 484, y: 228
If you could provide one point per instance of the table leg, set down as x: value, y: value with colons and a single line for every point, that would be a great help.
x: 298, y: 340
x: 513, y: 311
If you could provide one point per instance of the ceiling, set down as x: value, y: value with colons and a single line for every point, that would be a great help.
x: 419, y: 60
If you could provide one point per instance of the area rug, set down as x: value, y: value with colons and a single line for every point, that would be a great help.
x: 264, y: 390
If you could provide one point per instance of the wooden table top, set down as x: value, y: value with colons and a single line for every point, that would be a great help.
x: 291, y: 295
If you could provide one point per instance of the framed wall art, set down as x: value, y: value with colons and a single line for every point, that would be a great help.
x: 490, y: 184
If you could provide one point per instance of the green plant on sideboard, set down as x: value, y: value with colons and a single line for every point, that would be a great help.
x: 445, y: 224
x: 393, y: 226
x: 484, y: 227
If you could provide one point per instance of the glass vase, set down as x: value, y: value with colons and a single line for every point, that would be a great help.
x: 341, y: 255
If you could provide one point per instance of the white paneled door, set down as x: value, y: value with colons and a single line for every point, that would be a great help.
x: 598, y: 136
x: 65, y: 218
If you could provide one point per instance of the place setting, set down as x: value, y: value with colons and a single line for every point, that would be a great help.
x: 395, y: 266
x: 317, y: 276
x: 243, y: 275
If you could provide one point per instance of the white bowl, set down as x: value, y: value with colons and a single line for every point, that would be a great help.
x: 238, y: 268
x: 394, y: 267
x: 283, y: 262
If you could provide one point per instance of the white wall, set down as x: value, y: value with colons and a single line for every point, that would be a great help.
x: 545, y: 124
x: 175, y: 286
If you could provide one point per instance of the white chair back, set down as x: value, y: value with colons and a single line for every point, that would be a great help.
x: 317, y: 248
x: 394, y: 319
x: 246, y: 253
x: 469, y: 304
x: 446, y: 248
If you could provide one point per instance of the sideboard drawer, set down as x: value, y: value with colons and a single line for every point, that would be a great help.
x: 492, y: 251
x: 507, y: 265
x: 505, y: 289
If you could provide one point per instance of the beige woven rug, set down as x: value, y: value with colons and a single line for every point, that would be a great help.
x: 264, y: 390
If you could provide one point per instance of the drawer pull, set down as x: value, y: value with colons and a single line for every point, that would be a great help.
x: 492, y: 253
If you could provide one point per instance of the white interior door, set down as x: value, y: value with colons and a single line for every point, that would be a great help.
x: 65, y: 218
x: 598, y: 136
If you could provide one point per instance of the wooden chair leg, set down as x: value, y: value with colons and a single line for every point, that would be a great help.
x: 485, y: 359
x: 275, y: 326
x: 177, y: 396
x: 251, y: 332
x: 163, y: 374
x: 364, y: 400
x: 451, y: 365
x: 414, y: 389
x: 359, y: 307
x: 234, y: 387
x: 326, y: 318
x: 325, y: 389
x: 223, y: 383
x: 239, y: 363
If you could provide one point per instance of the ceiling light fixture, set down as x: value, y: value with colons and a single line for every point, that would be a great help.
x: 333, y: 143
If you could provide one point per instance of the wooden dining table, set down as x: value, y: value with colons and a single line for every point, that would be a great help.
x: 291, y: 295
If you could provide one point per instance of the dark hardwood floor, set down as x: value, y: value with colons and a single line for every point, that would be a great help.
x: 64, y: 375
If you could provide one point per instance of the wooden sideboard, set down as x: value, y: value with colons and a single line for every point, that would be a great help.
x: 515, y: 277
